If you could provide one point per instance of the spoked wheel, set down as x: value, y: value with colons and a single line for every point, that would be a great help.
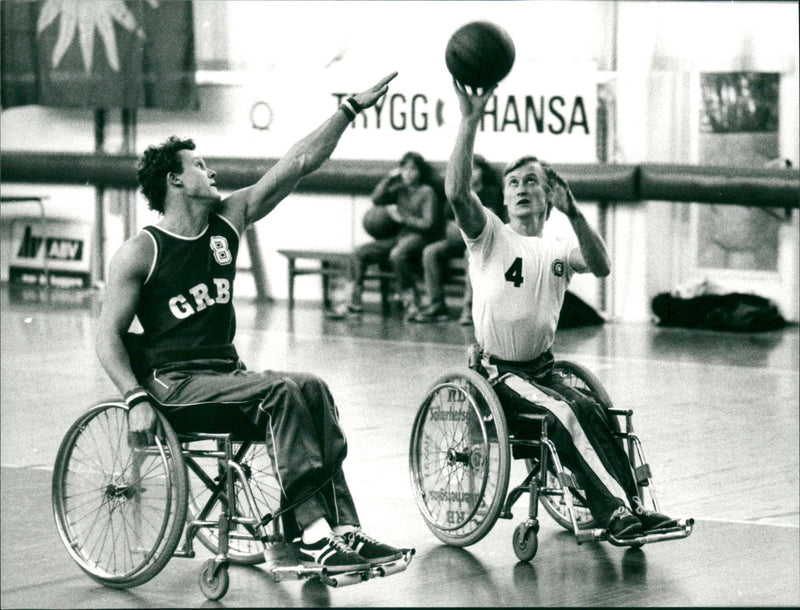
x: 205, y: 503
x: 460, y: 458
x: 119, y: 510
x: 583, y: 380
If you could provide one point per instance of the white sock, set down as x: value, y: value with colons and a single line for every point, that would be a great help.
x: 316, y: 531
x: 341, y: 530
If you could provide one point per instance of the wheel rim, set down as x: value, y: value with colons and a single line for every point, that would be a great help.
x: 112, y: 502
x: 459, y: 464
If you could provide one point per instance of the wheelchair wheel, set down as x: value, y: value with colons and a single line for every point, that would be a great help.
x: 460, y: 458
x: 214, y: 580
x: 583, y: 380
x: 243, y: 547
x: 119, y: 510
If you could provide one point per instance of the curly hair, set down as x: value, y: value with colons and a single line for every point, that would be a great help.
x: 155, y: 164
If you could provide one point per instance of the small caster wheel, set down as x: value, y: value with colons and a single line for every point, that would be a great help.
x: 214, y: 586
x: 526, y: 541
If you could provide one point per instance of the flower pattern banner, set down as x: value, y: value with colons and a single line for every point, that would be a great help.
x: 99, y: 54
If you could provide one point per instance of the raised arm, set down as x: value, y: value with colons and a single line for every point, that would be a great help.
x: 252, y: 203
x: 467, y: 207
x: 127, y: 272
x: 592, y: 256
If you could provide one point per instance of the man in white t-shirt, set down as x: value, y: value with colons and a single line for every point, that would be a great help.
x: 519, y: 279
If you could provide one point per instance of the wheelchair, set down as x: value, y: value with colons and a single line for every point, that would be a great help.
x: 460, y: 459
x: 122, y: 511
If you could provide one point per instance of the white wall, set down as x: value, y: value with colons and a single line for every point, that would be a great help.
x: 287, y: 53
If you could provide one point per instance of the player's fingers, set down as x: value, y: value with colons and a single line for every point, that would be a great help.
x: 385, y: 81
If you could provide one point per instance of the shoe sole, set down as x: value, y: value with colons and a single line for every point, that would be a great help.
x: 387, y: 559
x: 661, y: 526
x: 628, y: 533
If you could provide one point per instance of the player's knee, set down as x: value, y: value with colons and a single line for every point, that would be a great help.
x: 396, y: 257
x: 311, y: 382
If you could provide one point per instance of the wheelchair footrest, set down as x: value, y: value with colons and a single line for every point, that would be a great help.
x: 591, y: 535
x: 682, y: 530
x: 343, y: 579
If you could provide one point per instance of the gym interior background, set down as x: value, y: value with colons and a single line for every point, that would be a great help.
x: 612, y: 84
x: 678, y: 125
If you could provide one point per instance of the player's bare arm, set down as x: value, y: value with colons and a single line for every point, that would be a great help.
x: 467, y: 207
x: 252, y: 203
x: 592, y: 255
x: 127, y: 272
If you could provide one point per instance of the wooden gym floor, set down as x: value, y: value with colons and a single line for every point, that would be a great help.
x: 717, y: 414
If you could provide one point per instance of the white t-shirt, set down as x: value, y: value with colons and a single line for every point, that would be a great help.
x: 518, y: 285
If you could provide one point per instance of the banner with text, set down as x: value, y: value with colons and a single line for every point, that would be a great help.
x: 547, y: 114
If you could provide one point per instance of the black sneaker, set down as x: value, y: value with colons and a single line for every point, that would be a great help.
x: 650, y: 519
x: 332, y: 553
x: 370, y: 549
x: 624, y: 524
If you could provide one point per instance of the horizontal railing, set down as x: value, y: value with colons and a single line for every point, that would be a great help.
x: 598, y: 182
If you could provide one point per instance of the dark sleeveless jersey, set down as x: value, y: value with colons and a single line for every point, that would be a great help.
x: 186, y: 307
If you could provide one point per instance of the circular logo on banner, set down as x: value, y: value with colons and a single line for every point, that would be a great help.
x: 558, y: 267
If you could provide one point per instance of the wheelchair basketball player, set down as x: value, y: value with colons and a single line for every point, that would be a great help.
x: 177, y: 278
x: 519, y: 279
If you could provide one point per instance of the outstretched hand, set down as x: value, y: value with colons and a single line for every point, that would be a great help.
x: 367, y: 98
x: 472, y: 100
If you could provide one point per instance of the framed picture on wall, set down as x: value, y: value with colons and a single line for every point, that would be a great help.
x: 738, y: 127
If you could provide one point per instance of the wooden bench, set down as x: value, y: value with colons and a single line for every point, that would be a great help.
x: 335, y: 263
x: 331, y: 263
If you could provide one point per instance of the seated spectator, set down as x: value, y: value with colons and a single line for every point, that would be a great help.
x: 409, y: 193
x: 486, y: 182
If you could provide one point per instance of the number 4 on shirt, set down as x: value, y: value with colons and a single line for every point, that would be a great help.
x: 514, y: 273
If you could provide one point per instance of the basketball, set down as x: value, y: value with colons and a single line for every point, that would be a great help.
x: 480, y: 54
x: 379, y: 224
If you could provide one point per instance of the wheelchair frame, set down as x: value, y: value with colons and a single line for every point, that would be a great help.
x: 441, y: 454
x: 105, y: 492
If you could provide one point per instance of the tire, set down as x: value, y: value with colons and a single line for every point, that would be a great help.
x: 214, y: 586
x: 119, y: 511
x: 459, y: 458
x: 525, y: 541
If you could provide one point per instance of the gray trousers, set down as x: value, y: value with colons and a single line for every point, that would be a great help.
x: 295, y: 414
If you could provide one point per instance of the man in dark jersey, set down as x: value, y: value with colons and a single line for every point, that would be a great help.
x: 177, y: 278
